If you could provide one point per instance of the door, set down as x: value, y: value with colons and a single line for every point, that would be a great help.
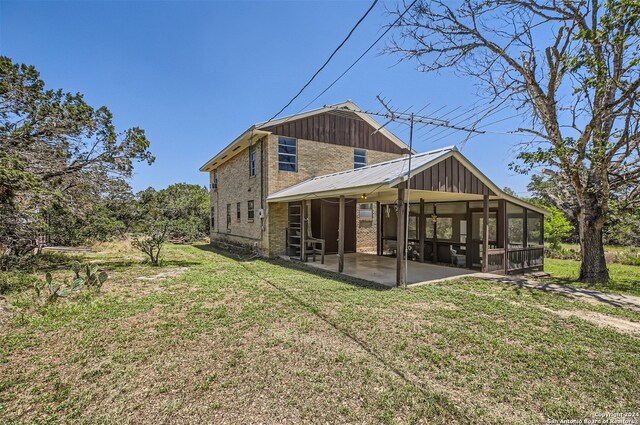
x: 324, y: 223
x: 476, y: 233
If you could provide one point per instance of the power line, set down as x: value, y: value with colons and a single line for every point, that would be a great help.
x: 360, y: 57
x: 328, y: 60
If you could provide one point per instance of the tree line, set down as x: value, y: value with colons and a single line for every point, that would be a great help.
x: 64, y: 171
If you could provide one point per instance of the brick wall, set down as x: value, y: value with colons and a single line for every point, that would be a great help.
x: 366, y: 231
x: 314, y: 159
x: 235, y: 185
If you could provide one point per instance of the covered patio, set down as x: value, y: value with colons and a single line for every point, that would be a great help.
x: 434, y: 208
x: 382, y: 270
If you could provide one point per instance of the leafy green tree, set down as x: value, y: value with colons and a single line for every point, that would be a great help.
x: 572, y: 71
x: 54, y: 147
x: 556, y: 227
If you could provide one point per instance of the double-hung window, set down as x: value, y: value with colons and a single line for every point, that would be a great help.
x: 214, y: 185
x: 213, y: 218
x: 359, y: 158
x: 250, y: 211
x: 238, y: 211
x: 252, y: 161
x: 287, y: 154
x: 228, y: 216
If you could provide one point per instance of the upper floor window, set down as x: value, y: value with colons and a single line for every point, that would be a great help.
x: 252, y: 161
x: 359, y: 158
x: 287, y: 154
x: 215, y: 179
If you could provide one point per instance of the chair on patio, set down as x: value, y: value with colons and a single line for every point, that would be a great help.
x: 459, y: 260
x: 313, y: 245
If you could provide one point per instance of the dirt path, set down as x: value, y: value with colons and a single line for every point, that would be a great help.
x: 589, y: 295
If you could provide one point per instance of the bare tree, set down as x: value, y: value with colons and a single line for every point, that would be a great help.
x: 572, y: 71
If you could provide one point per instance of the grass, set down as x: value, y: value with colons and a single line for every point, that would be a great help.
x: 624, y: 279
x: 267, y: 341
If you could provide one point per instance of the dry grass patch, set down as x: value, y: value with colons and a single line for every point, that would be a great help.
x: 228, y: 341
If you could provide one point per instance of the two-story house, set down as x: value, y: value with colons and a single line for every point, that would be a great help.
x: 272, y: 156
x: 336, y: 175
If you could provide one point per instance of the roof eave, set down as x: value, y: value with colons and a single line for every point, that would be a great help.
x: 248, y: 134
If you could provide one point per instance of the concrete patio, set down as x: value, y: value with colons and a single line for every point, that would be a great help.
x: 382, y: 270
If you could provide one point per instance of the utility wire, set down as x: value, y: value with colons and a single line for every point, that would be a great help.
x: 361, y: 56
x: 328, y: 60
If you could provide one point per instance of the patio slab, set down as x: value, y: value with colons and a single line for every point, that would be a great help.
x: 382, y: 270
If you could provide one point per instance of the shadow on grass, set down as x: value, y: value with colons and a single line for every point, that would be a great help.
x: 562, y: 287
x: 244, y: 255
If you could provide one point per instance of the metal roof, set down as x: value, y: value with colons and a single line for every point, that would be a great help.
x: 382, y: 174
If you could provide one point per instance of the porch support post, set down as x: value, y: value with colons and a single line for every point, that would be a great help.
x: 485, y: 233
x: 400, y: 276
x: 378, y: 228
x: 303, y: 232
x: 421, y: 229
x: 434, y: 244
x: 341, y: 235
x: 502, y: 217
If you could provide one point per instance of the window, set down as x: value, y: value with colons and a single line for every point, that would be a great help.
x: 215, y: 179
x: 366, y: 211
x: 359, y: 158
x: 238, y: 212
x: 287, y: 154
x: 228, y: 216
x: 250, y: 211
x: 252, y: 161
x: 213, y: 218
x: 444, y: 228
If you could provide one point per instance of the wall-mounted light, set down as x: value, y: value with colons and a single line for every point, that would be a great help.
x: 434, y: 218
x: 364, y: 196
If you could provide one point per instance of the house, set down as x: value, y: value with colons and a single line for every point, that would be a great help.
x: 333, y: 175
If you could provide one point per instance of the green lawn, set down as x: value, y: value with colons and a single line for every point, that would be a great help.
x: 624, y: 279
x: 235, y: 341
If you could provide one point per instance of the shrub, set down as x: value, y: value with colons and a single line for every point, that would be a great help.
x: 16, y: 282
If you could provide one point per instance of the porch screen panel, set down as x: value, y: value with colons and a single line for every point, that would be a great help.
x: 428, y: 228
x: 414, y: 217
x: 515, y: 226
x: 534, y: 228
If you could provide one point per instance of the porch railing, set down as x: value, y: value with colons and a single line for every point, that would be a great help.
x: 496, y: 260
x: 525, y: 258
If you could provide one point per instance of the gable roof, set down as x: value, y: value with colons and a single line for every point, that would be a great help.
x: 260, y: 129
x: 385, y: 175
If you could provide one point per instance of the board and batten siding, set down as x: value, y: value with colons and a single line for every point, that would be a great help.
x: 338, y: 129
x: 448, y: 175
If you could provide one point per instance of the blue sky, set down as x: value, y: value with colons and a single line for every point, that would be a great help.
x: 196, y: 74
